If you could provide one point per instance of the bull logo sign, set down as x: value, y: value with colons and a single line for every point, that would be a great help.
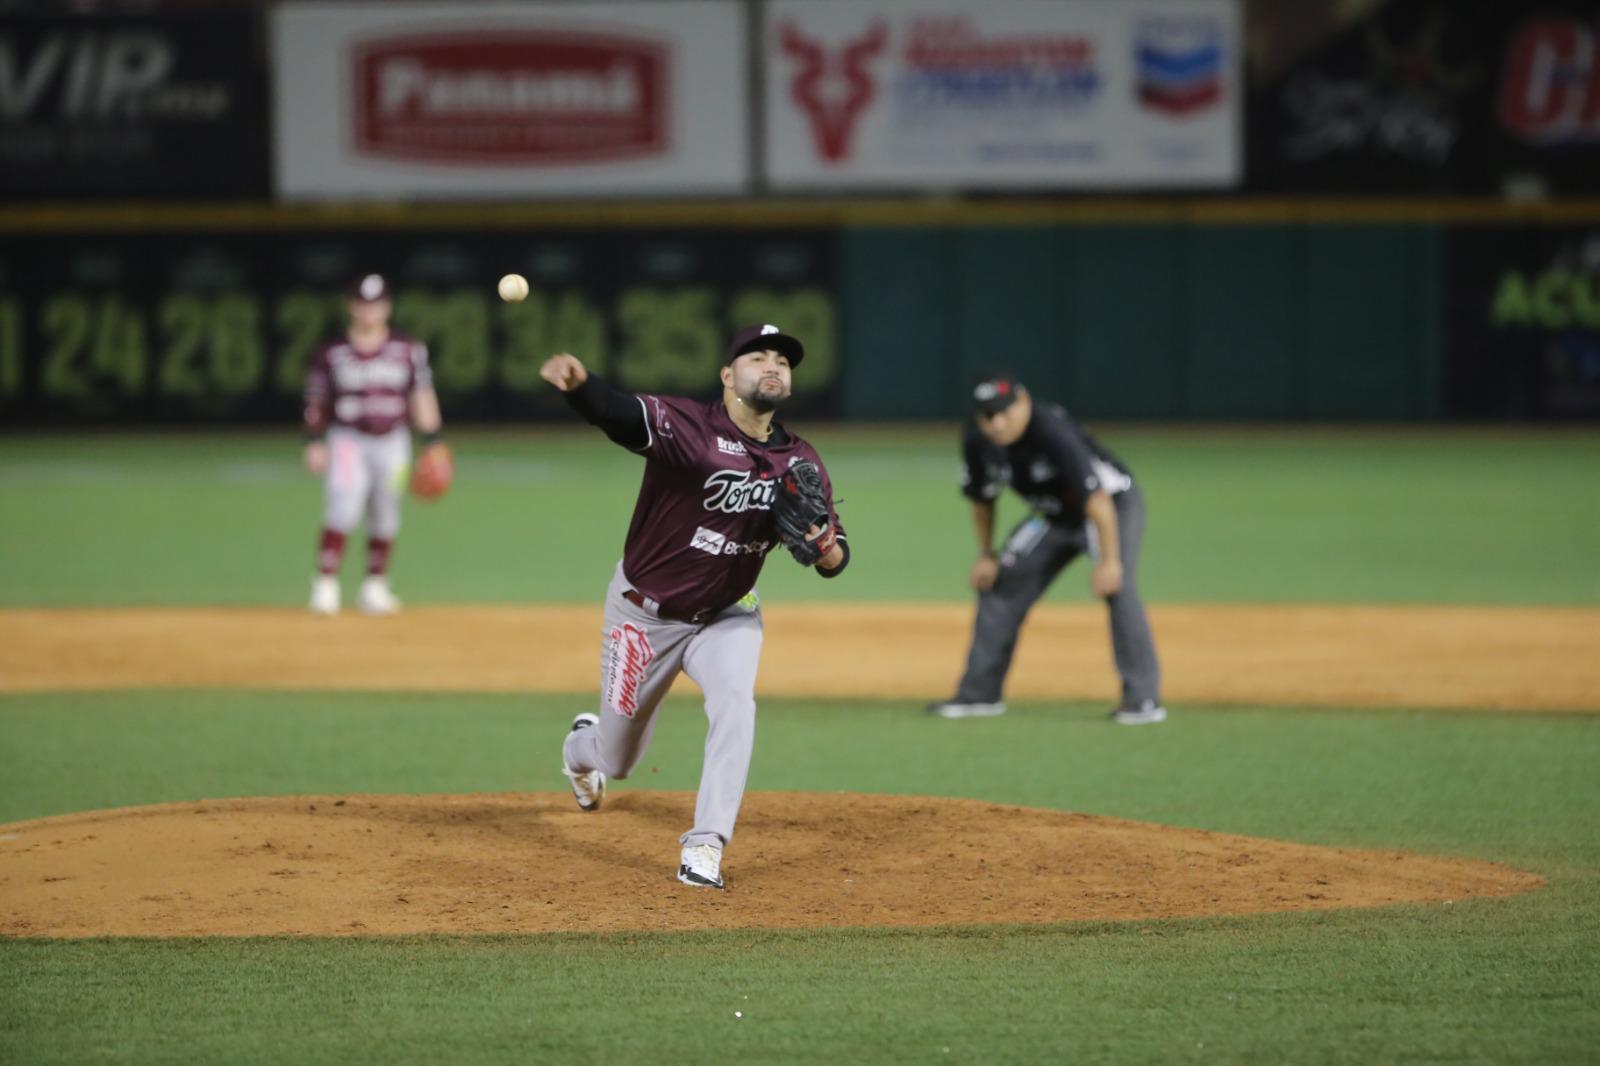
x: 833, y: 86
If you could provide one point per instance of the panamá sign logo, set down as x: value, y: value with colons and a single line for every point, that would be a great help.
x: 833, y: 88
x: 511, y: 97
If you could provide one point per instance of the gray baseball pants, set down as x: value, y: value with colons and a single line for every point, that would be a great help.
x: 1034, y: 553
x: 641, y: 654
x: 366, y: 478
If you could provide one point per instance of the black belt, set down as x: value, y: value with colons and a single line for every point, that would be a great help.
x: 643, y: 602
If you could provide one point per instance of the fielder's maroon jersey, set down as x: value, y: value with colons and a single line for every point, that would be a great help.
x: 703, y: 524
x: 368, y: 391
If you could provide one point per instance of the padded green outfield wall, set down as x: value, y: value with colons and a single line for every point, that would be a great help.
x: 1159, y: 320
x: 1210, y: 309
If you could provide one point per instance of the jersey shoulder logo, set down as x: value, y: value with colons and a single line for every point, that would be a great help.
x: 663, y: 423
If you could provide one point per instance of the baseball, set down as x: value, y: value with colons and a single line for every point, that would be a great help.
x: 513, y: 288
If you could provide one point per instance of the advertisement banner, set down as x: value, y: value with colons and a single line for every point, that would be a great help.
x: 944, y: 93
x: 1523, y: 326
x: 509, y: 100
x: 1421, y: 97
x: 132, y: 106
x: 218, y: 327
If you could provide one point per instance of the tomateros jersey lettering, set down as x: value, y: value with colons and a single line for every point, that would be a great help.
x: 702, y: 526
x: 368, y: 391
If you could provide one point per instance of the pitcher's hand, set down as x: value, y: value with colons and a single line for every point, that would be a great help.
x: 565, y: 372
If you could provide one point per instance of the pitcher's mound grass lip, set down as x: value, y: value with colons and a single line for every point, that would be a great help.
x: 361, y: 865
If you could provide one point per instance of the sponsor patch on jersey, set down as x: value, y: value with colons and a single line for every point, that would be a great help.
x: 630, y: 653
x: 749, y: 601
x: 708, y: 540
x: 730, y: 447
x: 713, y: 543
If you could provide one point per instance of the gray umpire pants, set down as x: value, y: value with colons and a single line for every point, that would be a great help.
x: 1034, y: 553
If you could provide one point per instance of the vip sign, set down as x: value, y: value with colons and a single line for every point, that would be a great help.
x: 106, y: 75
x: 943, y: 92
x: 510, y: 99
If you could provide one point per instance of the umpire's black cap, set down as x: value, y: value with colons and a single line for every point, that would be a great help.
x: 762, y: 338
x: 369, y: 288
x: 995, y: 393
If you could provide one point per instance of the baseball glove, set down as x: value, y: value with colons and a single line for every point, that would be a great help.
x: 435, y: 470
x: 798, y: 504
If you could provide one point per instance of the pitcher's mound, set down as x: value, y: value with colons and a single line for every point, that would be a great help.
x: 533, y: 863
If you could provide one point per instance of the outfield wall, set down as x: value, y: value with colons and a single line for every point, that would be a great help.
x: 1156, y: 320
x: 1149, y: 310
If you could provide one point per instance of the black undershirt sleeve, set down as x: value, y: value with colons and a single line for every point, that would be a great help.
x: 619, y: 414
x: 836, y: 571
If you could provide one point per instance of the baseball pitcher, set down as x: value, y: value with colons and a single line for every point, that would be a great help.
x: 1082, y: 498
x: 724, y: 484
x: 362, y: 390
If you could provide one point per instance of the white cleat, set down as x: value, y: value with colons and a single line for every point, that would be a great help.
x: 701, y: 865
x: 325, y: 594
x: 376, y: 597
x: 1147, y: 713
x: 589, y: 787
x: 957, y: 709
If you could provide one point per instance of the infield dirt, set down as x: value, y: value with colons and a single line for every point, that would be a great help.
x: 1511, y: 658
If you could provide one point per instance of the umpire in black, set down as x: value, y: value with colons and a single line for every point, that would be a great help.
x: 1081, y: 498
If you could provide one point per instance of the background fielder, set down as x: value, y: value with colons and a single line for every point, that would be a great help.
x: 722, y: 485
x: 1082, y: 498
x: 361, y: 391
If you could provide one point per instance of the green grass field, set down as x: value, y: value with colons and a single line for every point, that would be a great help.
x: 1272, y: 516
x: 1346, y: 515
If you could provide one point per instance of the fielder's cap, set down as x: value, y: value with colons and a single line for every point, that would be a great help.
x: 760, y: 339
x: 369, y: 288
x: 995, y: 393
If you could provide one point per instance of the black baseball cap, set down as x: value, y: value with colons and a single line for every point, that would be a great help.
x: 995, y: 393
x: 760, y: 339
x: 369, y: 288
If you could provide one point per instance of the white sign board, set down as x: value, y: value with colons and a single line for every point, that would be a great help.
x: 1006, y: 93
x: 509, y: 100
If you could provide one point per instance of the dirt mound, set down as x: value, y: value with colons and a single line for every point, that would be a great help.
x: 533, y: 863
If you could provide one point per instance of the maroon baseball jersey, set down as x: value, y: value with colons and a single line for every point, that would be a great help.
x: 368, y: 391
x: 703, y: 524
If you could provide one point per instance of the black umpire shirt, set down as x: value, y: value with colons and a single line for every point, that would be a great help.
x: 1056, y: 465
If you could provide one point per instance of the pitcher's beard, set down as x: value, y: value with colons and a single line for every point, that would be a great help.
x: 763, y: 403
